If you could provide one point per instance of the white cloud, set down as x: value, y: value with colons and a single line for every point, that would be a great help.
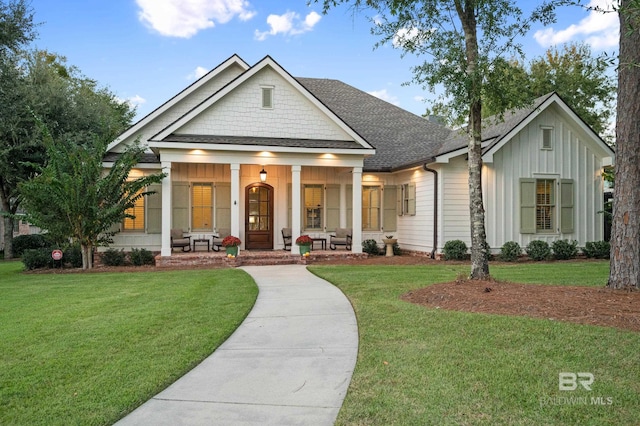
x: 184, y: 18
x: 197, y: 73
x: 385, y: 96
x: 133, y: 101
x: 288, y: 23
x: 600, y: 30
x: 419, y: 98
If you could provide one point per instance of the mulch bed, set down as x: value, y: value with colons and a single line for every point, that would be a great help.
x: 582, y: 305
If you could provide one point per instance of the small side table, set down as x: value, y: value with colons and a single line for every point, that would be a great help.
x: 201, y: 241
x: 323, y: 242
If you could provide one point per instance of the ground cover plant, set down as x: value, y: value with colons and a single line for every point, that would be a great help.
x: 420, y: 365
x: 87, y: 348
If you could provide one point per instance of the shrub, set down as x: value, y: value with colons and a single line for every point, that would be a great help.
x: 510, y: 251
x: 21, y: 243
x: 371, y: 247
x: 396, y: 249
x: 37, y: 258
x: 597, y: 249
x: 538, y: 250
x: 113, y: 257
x: 564, y: 249
x: 73, y: 256
x: 141, y: 257
x: 454, y: 250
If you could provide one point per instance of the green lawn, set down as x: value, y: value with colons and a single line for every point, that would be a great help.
x: 86, y: 349
x: 420, y: 366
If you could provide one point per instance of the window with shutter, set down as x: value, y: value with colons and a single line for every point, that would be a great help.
x: 313, y: 207
x: 136, y: 220
x: 202, y: 206
x: 370, y: 208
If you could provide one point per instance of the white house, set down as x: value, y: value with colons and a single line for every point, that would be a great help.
x: 335, y: 156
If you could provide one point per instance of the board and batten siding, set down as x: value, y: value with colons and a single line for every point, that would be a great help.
x: 415, y: 232
x: 454, y: 178
x: 573, y: 157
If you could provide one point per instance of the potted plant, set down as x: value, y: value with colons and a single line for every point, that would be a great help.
x: 304, y: 241
x: 231, y: 244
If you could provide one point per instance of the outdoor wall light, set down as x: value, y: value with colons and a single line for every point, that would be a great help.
x: 263, y: 175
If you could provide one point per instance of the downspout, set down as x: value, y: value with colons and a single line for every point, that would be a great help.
x: 435, y: 210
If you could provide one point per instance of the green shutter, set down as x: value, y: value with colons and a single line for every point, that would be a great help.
x: 390, y: 201
x: 154, y: 209
x: 180, y: 205
x: 412, y: 199
x: 333, y: 207
x: 400, y: 200
x: 527, y: 206
x: 349, y: 206
x: 566, y: 206
x: 223, y: 206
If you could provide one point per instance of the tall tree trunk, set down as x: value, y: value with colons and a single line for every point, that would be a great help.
x: 625, y: 232
x: 479, y: 256
x: 8, y: 237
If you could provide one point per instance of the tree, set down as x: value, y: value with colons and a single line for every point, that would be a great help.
x: 465, y: 65
x: 40, y: 86
x: 73, y: 199
x: 17, y: 29
x: 625, y: 237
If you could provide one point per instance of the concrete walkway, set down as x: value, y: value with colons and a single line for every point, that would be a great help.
x: 289, y: 363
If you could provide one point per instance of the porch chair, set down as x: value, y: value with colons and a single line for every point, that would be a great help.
x: 342, y: 237
x: 286, y: 237
x: 178, y: 239
x: 217, y: 240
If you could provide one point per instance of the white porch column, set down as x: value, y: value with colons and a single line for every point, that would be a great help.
x: 235, y: 200
x: 356, y: 239
x: 295, y: 207
x: 343, y: 205
x: 165, y: 249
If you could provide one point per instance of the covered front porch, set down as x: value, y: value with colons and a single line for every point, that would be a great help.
x: 254, y: 195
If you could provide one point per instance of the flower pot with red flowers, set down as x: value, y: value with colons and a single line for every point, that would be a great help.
x: 231, y: 244
x: 304, y: 242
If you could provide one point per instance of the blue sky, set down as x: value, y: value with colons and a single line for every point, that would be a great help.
x: 146, y: 51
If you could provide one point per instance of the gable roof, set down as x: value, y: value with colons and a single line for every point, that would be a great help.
x: 498, y: 131
x: 233, y: 60
x: 168, y: 132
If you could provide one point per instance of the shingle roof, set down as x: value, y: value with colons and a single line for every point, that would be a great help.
x: 494, y: 127
x: 147, y: 157
x: 399, y: 137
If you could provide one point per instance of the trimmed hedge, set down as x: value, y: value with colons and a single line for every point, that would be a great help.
x: 597, y: 249
x: 371, y: 247
x: 21, y: 243
x: 113, y: 257
x: 139, y: 257
x: 538, y: 250
x: 510, y: 251
x: 454, y: 250
x: 564, y: 249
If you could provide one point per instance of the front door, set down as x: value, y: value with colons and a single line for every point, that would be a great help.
x: 258, y: 218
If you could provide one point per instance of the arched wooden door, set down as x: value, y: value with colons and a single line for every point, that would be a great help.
x: 258, y: 217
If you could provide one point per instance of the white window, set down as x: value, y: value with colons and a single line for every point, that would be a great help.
x: 545, y: 205
x: 134, y: 221
x: 202, y: 207
x: 547, y: 137
x: 370, y: 208
x: 313, y: 207
x: 267, y: 97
